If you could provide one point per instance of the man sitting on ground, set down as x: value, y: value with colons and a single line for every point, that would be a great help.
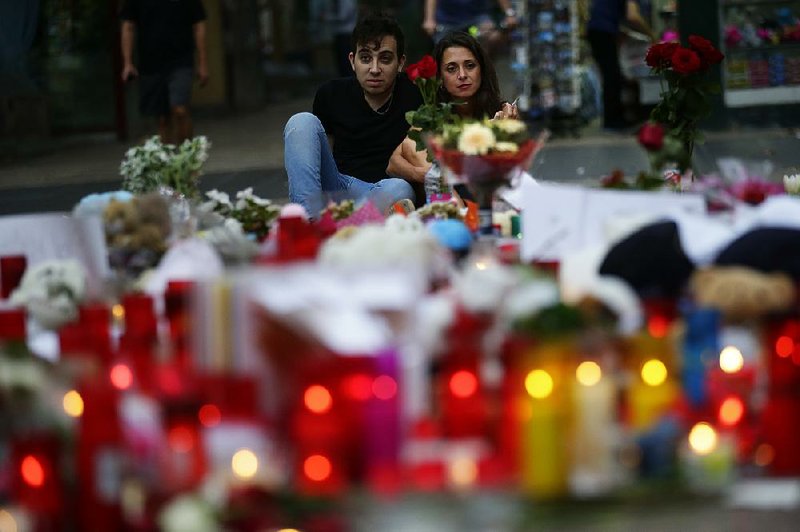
x: 343, y: 148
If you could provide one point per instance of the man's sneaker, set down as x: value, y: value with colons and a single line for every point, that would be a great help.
x: 403, y: 206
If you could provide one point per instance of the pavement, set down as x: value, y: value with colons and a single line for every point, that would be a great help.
x: 247, y: 150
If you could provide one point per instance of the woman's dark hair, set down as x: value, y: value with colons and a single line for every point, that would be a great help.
x: 486, y: 102
x: 372, y: 27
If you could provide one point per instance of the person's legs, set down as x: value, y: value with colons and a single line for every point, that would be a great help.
x: 606, y: 55
x: 154, y: 102
x: 312, y: 171
x: 179, y: 85
x: 165, y: 130
x: 309, y: 163
x: 384, y: 193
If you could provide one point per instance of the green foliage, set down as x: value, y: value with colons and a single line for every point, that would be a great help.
x: 153, y: 165
x: 557, y: 321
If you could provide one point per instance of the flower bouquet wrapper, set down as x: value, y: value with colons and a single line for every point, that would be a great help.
x: 367, y: 213
x: 493, y: 168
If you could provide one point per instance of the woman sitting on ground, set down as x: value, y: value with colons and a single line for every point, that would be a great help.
x: 467, y: 76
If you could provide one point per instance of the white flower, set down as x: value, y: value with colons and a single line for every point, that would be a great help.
x: 508, y: 147
x: 245, y: 194
x: 220, y: 197
x: 510, y: 126
x: 792, y: 183
x: 476, y: 139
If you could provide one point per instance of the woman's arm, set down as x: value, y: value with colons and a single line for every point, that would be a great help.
x: 429, y: 22
x: 408, y: 163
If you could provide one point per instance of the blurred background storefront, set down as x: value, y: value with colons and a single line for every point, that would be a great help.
x: 59, y: 59
x: 60, y: 62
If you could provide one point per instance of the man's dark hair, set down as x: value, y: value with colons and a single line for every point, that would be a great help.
x: 487, y: 100
x: 373, y: 26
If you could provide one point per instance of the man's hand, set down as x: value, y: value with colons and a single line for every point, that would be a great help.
x: 129, y: 72
x: 202, y: 74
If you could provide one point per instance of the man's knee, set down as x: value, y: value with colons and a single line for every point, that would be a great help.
x: 396, y: 189
x: 302, y: 122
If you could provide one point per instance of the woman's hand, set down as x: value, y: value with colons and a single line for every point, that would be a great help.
x: 509, y: 110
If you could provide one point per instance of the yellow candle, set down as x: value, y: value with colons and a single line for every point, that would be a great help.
x: 651, y: 394
x: 545, y: 427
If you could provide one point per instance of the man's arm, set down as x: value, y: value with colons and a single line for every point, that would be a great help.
x: 634, y: 17
x: 408, y: 163
x: 429, y: 23
x: 126, y: 42
x: 200, y: 44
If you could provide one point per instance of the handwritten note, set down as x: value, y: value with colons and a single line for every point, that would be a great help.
x: 559, y: 219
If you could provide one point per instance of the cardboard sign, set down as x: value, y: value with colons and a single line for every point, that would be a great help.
x: 561, y: 219
x: 49, y: 236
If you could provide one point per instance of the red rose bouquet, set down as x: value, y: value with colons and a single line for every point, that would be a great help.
x: 684, y: 99
x: 431, y: 116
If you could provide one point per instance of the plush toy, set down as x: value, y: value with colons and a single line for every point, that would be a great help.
x: 741, y: 293
x: 136, y: 232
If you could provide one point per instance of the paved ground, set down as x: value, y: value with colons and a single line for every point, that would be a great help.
x: 247, y: 150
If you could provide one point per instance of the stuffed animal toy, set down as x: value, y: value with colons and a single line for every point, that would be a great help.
x: 137, y: 232
x: 742, y: 293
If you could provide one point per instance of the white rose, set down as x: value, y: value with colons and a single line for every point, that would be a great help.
x: 508, y: 147
x: 510, y: 126
x: 476, y: 139
x: 792, y: 183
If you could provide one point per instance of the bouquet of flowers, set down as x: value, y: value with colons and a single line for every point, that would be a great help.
x: 432, y: 115
x: 485, y: 155
x: 340, y: 211
x: 440, y: 210
x: 475, y: 152
x: 154, y: 165
x: 255, y: 214
x: 684, y: 99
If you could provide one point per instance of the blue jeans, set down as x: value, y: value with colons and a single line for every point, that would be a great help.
x: 314, y: 177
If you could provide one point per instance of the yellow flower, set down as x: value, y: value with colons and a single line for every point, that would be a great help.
x: 476, y: 139
x: 508, y: 147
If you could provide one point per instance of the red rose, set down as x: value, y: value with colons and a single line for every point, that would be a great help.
x: 659, y: 55
x: 427, y: 67
x: 412, y: 71
x: 615, y: 179
x: 651, y: 136
x: 685, y: 61
x: 707, y: 51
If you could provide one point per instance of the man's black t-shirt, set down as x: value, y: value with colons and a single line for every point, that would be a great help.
x: 364, y: 139
x: 164, y: 32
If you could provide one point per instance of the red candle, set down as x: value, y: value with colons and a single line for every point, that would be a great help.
x: 12, y: 324
x: 12, y: 268
x: 140, y: 317
x: 185, y: 465
x: 96, y: 321
x: 779, y: 421
x: 100, y: 458
x: 36, y: 483
x: 177, y: 307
